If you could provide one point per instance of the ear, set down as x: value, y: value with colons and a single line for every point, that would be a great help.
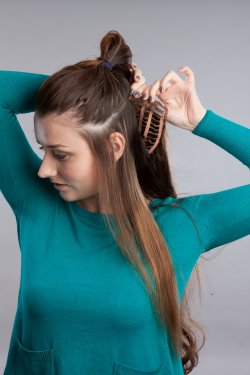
x: 118, y: 143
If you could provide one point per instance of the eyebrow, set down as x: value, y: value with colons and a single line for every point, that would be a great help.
x: 53, y: 146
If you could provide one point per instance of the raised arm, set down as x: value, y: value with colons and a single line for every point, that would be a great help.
x: 19, y: 163
x: 232, y: 137
x: 223, y: 216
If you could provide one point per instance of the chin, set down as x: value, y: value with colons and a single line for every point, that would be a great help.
x: 65, y: 197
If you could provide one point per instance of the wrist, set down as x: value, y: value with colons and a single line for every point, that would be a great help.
x: 198, y: 117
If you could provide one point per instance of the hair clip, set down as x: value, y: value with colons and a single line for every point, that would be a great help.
x: 151, y: 118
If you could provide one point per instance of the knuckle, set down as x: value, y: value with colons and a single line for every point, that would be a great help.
x: 134, y: 87
x: 166, y: 76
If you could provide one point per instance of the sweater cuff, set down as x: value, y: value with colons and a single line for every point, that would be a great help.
x: 209, y: 123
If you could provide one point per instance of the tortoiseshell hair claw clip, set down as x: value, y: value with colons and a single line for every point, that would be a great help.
x: 151, y: 118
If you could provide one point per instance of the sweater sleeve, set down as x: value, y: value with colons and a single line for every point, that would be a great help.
x: 19, y: 164
x: 223, y: 216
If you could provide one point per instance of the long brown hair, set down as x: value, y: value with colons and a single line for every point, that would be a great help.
x: 98, y: 99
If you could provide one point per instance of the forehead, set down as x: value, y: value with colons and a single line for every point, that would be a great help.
x: 57, y: 128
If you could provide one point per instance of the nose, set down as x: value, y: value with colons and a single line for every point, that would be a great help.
x: 46, y: 170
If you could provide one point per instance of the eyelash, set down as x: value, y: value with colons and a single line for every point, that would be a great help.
x: 58, y: 156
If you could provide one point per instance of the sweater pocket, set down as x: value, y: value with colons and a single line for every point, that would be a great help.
x: 120, y: 369
x: 39, y: 362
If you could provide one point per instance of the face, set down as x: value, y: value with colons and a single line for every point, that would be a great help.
x: 71, y: 162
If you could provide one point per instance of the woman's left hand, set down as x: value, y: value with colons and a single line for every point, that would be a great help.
x: 179, y: 97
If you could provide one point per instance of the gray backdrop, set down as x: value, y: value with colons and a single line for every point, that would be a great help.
x: 213, y: 38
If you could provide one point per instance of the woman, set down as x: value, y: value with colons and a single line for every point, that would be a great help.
x: 106, y: 256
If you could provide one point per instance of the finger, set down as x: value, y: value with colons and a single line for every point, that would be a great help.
x: 163, y: 87
x: 137, y: 74
x: 145, y: 93
x: 135, y: 71
x: 153, y: 89
x: 136, y: 85
x: 170, y: 77
x: 132, y: 66
x: 189, y: 73
x: 141, y: 91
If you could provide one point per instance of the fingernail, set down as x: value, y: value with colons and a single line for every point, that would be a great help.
x: 137, y: 77
x: 150, y: 99
x: 160, y: 88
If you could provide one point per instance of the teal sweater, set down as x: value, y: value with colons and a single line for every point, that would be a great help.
x: 82, y: 309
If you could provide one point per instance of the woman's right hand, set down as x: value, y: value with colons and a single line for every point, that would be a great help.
x: 179, y: 97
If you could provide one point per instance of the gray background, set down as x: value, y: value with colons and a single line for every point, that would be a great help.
x: 213, y: 38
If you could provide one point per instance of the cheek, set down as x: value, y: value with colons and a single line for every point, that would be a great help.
x: 69, y: 171
x: 82, y: 170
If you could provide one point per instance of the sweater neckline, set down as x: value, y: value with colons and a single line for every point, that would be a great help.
x: 97, y: 216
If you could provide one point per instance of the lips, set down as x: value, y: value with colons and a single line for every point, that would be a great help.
x: 60, y: 186
x: 56, y: 183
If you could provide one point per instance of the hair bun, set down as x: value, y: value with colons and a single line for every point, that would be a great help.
x: 116, y: 52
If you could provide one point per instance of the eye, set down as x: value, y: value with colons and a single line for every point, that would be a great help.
x: 59, y: 156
